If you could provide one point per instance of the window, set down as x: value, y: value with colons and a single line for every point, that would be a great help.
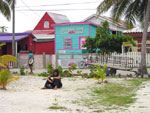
x: 46, y: 24
x: 68, y: 43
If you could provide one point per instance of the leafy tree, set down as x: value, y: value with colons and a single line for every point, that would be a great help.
x: 106, y: 43
x: 132, y: 11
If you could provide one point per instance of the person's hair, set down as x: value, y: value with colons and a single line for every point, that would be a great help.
x: 56, y: 70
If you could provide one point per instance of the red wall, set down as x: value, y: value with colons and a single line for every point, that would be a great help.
x: 29, y: 41
x: 9, y: 48
x: 138, y: 37
x: 40, y: 25
x: 47, y: 47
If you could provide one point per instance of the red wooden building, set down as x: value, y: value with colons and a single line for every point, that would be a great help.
x: 39, y: 40
x: 44, y: 32
x: 137, y: 34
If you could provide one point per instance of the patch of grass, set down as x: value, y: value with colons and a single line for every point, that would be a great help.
x: 56, y: 107
x: 114, y: 95
x: 75, y: 102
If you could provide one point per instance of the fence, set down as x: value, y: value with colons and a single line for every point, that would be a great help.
x: 130, y: 59
x: 40, y: 61
x: 65, y: 59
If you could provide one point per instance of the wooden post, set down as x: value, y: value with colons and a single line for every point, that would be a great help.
x: 44, y: 60
x: 56, y: 63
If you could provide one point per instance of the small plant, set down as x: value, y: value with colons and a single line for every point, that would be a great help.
x: 91, y: 74
x: 101, y: 73
x: 66, y: 73
x: 22, y: 70
x: 72, y: 66
x: 50, y: 68
x: 6, y: 78
x: 79, y: 73
x: 60, y: 70
x: 44, y: 74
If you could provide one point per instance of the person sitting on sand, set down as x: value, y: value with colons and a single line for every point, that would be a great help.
x: 53, y: 81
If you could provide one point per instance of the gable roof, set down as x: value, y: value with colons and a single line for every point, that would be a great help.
x: 103, y: 18
x: 58, y: 18
x: 7, y: 37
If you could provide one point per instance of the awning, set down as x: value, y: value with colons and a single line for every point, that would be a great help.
x: 7, y: 37
x: 43, y: 37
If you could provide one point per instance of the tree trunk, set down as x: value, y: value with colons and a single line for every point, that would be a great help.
x: 13, y: 31
x: 142, y: 67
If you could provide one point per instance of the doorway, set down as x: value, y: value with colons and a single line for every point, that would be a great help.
x: 4, y: 50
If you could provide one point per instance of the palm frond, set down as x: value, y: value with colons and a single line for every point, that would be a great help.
x: 2, y: 44
x: 4, y: 9
x: 3, y: 66
x: 11, y: 3
x: 119, y: 9
x: 12, y: 79
x: 7, y: 58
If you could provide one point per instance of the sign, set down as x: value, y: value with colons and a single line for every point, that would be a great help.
x: 126, y: 44
x: 62, y: 51
x: 71, y: 30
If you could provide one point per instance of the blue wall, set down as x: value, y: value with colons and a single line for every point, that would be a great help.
x: 59, y: 36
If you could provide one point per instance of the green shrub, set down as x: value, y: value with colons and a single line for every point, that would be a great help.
x: 60, y: 70
x: 72, y: 67
x: 22, y: 70
x: 50, y: 68
x: 67, y: 73
x: 91, y: 74
x: 44, y: 74
x: 79, y: 73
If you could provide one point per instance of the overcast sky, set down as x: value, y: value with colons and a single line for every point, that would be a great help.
x: 27, y: 19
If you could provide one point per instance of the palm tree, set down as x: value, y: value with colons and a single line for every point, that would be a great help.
x: 131, y: 11
x: 5, y: 8
x: 3, y: 29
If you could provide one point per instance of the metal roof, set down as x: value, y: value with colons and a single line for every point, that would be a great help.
x: 43, y: 37
x: 136, y: 30
x: 7, y: 37
x: 109, y: 19
x: 58, y: 18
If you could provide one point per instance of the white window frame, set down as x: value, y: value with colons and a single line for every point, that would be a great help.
x: 46, y: 24
x: 67, y: 42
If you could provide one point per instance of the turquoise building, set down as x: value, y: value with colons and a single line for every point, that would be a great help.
x: 69, y: 37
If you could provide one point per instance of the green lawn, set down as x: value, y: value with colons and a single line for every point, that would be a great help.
x: 113, y: 95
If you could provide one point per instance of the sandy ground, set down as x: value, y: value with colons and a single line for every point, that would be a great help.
x: 25, y: 96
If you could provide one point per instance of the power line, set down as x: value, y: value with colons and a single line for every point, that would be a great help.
x: 54, y: 9
x: 61, y: 4
x: 30, y: 8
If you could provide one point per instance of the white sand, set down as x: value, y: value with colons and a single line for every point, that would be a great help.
x: 25, y: 96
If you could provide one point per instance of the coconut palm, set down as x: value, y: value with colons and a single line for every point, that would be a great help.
x: 131, y: 11
x: 6, y: 78
x: 5, y: 8
x: 5, y: 75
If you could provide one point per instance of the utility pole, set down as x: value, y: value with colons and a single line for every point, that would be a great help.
x: 13, y: 31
